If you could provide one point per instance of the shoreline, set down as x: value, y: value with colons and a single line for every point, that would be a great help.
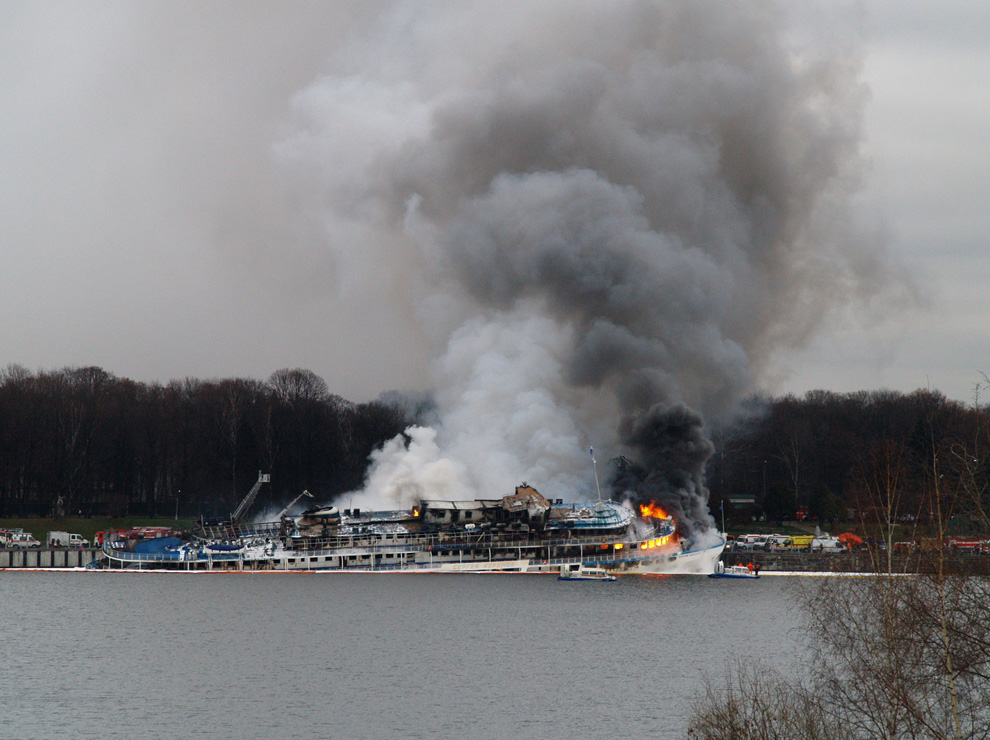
x: 151, y: 571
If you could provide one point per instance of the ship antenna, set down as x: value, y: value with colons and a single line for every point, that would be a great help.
x: 595, y: 466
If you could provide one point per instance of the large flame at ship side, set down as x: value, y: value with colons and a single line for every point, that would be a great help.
x: 651, y: 509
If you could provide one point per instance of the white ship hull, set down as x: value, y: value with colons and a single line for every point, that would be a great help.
x: 669, y: 560
x: 521, y: 533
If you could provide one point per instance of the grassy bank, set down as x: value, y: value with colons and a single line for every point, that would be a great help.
x: 89, y: 526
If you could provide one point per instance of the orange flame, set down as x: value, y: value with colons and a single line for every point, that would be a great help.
x: 653, y: 510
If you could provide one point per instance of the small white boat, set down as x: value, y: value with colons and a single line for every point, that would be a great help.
x: 576, y: 572
x: 735, y: 571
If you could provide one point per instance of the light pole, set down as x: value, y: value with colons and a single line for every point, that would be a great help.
x: 178, y: 493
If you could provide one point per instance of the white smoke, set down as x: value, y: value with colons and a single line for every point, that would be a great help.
x: 404, y: 472
x: 501, y: 385
x: 601, y: 214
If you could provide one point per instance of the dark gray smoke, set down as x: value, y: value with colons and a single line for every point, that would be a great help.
x: 605, y: 215
x: 671, y: 451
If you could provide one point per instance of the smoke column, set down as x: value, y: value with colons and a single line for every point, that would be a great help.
x: 604, y: 216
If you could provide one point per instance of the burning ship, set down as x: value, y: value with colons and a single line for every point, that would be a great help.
x: 520, y: 533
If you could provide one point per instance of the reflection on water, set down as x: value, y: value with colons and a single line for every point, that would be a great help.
x: 374, y: 655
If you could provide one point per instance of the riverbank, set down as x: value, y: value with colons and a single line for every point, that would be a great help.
x: 862, y: 561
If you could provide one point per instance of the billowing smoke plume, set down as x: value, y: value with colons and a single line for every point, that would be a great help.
x: 672, y: 450
x: 604, y: 215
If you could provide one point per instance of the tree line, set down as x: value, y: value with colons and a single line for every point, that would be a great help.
x: 841, y: 455
x: 80, y: 440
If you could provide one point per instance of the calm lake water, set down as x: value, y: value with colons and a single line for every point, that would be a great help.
x: 126, y: 655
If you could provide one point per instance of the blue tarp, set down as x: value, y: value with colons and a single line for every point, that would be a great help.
x: 159, y: 544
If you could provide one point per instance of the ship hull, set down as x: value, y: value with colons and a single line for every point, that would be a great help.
x: 670, y: 560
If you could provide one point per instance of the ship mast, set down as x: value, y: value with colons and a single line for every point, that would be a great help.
x: 595, y: 466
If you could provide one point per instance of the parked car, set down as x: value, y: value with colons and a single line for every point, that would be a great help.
x: 777, y: 542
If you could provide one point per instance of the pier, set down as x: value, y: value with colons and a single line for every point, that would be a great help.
x: 48, y: 557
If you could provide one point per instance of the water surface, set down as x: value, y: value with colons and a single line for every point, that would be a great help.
x: 128, y: 655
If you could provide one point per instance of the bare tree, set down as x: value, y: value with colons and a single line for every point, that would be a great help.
x: 293, y: 386
x: 881, y: 479
x: 894, y: 655
x: 754, y: 702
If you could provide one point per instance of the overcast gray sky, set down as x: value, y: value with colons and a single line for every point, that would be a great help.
x: 928, y: 143
x: 148, y: 225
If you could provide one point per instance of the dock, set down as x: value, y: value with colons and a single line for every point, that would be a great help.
x: 48, y: 557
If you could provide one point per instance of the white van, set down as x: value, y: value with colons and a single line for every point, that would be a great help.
x: 23, y: 539
x: 751, y: 542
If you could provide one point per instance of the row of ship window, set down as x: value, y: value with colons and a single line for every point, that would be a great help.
x: 405, y: 556
x: 349, y: 558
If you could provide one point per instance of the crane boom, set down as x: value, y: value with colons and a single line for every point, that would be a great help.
x: 291, y: 504
x: 245, y: 504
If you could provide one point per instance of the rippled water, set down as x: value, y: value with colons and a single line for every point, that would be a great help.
x: 127, y: 655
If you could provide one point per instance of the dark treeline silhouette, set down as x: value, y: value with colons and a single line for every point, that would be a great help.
x: 841, y: 455
x: 82, y: 440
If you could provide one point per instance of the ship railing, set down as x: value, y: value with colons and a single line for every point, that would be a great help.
x: 169, y: 555
x: 275, y: 529
x: 393, y: 548
x: 630, y: 555
x: 403, y: 541
x: 242, y: 530
x: 374, y: 545
x: 582, y: 559
x: 551, y: 563
x: 143, y: 557
x: 542, y: 547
